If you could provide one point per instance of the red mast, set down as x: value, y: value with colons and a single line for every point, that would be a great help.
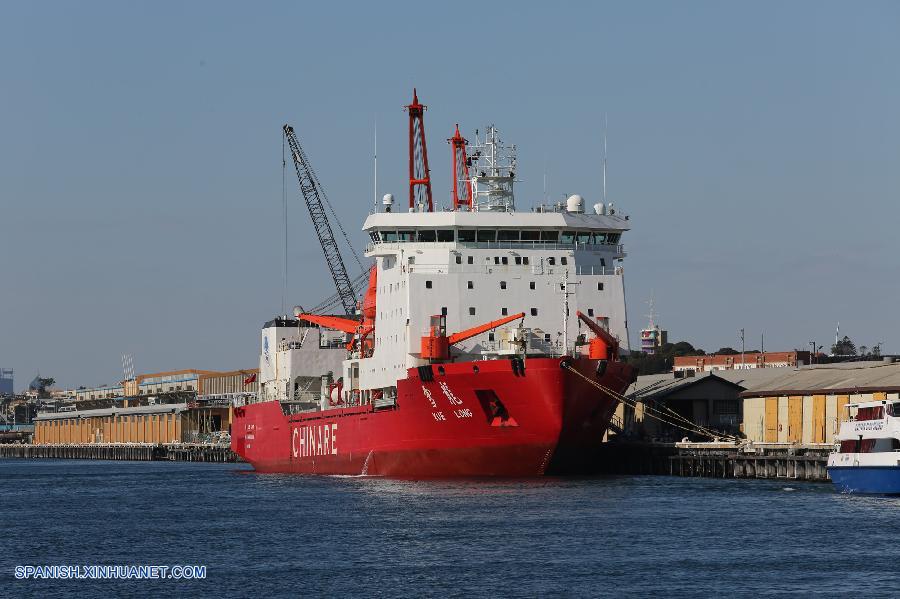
x: 419, y: 175
x: 462, y: 187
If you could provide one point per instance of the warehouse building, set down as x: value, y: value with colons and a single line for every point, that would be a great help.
x: 228, y: 383
x: 104, y: 392
x: 805, y: 406
x: 716, y: 362
x: 799, y: 406
x: 705, y: 400
x: 167, y: 423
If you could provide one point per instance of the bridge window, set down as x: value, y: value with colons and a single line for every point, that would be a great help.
x: 466, y: 235
x: 406, y: 235
x: 487, y: 235
x: 583, y: 237
x: 444, y: 235
x: 427, y: 235
x: 613, y: 237
x: 873, y: 413
x: 550, y: 236
x: 389, y: 236
x: 567, y: 237
x: 531, y: 235
x: 507, y: 235
x: 599, y: 238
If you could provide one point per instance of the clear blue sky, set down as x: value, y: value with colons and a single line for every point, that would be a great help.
x: 756, y: 148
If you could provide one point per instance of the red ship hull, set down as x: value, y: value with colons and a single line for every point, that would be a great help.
x: 489, y: 418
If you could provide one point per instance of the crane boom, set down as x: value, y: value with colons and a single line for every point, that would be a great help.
x: 309, y: 186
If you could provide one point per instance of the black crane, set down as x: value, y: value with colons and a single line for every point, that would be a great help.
x: 313, y: 194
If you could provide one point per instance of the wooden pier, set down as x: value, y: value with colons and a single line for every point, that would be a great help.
x: 146, y: 452
x: 801, y: 467
x: 715, y: 460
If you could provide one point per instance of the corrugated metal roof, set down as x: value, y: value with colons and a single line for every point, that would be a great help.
x: 845, y: 377
x: 655, y: 386
x: 830, y: 378
x: 158, y: 409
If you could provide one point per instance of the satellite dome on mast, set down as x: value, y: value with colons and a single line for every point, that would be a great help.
x: 575, y: 203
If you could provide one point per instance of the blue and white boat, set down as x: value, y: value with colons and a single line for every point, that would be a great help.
x: 866, y: 458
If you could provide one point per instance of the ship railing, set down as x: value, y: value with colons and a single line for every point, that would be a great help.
x: 536, y: 269
x: 499, y: 245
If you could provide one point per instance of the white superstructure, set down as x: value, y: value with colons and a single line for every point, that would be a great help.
x: 475, y: 265
x: 869, y: 436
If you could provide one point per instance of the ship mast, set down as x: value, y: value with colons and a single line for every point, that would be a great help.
x: 493, y: 173
x: 419, y: 174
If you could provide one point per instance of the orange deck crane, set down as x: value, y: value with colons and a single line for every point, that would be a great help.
x: 436, y: 345
x: 602, y: 347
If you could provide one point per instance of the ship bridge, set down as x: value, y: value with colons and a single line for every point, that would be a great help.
x: 497, y: 230
x: 474, y: 266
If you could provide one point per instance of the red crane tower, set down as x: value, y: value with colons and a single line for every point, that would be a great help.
x: 419, y: 175
x: 462, y: 186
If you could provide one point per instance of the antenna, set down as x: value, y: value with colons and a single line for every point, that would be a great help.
x: 284, y: 211
x: 652, y: 315
x: 375, y: 199
x: 605, y: 130
x: 545, y: 178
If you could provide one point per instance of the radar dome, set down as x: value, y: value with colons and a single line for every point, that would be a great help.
x: 575, y: 203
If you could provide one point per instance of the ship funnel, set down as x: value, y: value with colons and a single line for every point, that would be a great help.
x: 575, y: 203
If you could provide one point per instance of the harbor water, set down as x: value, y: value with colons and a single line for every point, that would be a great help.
x: 275, y: 535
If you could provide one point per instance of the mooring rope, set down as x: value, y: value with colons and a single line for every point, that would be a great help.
x: 694, y: 427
